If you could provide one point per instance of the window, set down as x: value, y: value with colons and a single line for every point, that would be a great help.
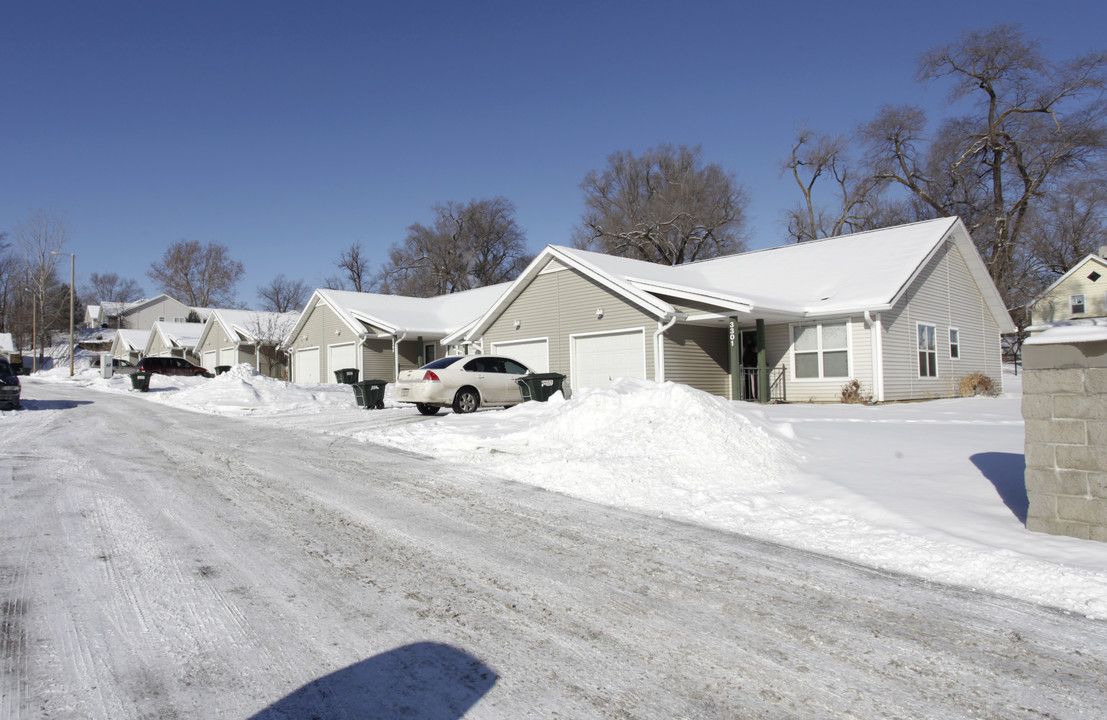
x: 1093, y: 276
x: 161, y: 318
x: 954, y: 343
x: 821, y: 351
x: 928, y: 351
x: 1076, y: 304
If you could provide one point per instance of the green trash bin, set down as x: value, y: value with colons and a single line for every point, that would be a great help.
x: 540, y: 386
x: 220, y: 369
x: 346, y: 376
x: 370, y: 394
x: 140, y: 381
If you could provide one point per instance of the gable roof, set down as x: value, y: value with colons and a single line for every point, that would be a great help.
x: 847, y: 274
x: 244, y: 326
x: 1078, y: 267
x: 397, y: 315
x: 7, y: 345
x: 133, y: 340
x: 175, y: 334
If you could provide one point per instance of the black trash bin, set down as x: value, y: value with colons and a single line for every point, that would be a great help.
x: 370, y: 394
x: 540, y: 386
x: 140, y: 381
x: 220, y: 369
x: 346, y: 376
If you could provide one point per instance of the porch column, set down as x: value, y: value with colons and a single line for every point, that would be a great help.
x: 762, y: 365
x: 735, y: 361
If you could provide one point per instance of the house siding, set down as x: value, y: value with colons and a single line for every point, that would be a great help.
x: 376, y: 360
x: 699, y: 356
x: 1055, y: 307
x: 317, y: 328
x: 559, y: 303
x: 145, y: 318
x: 943, y: 295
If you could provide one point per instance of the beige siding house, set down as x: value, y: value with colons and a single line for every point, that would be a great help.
x: 130, y: 345
x: 233, y: 337
x: 905, y: 311
x: 174, y: 339
x: 142, y: 314
x: 377, y: 335
x: 1080, y: 294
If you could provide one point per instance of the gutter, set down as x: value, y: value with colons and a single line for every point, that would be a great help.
x: 666, y: 322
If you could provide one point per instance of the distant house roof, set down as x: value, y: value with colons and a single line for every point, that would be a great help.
x: 132, y: 340
x: 1093, y: 259
x: 395, y: 315
x: 176, y: 334
x: 7, y: 345
x: 865, y: 271
x: 245, y: 326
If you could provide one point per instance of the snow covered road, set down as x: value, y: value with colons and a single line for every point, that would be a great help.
x: 156, y: 562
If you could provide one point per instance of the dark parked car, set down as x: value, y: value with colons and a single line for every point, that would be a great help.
x: 9, y: 387
x: 171, y: 366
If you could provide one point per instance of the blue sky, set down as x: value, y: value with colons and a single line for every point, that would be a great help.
x: 288, y: 130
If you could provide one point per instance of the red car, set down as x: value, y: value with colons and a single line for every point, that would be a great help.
x: 171, y: 366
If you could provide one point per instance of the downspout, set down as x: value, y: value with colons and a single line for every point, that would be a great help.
x: 659, y: 347
x: 396, y: 340
x: 876, y: 342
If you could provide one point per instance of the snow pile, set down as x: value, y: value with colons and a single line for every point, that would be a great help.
x: 242, y: 389
x: 665, y: 449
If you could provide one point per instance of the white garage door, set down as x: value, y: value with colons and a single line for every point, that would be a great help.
x: 535, y: 354
x: 305, y: 366
x: 227, y: 356
x: 340, y: 357
x: 599, y: 359
x: 209, y: 360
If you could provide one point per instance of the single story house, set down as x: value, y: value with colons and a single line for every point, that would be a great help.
x: 139, y: 315
x: 379, y: 335
x: 1078, y: 295
x: 231, y: 337
x: 174, y: 339
x: 905, y: 311
x: 129, y: 345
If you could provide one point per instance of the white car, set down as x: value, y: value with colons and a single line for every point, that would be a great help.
x: 462, y: 382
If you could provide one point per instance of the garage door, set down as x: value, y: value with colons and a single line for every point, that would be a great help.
x: 305, y: 366
x: 209, y: 360
x: 599, y: 359
x: 535, y: 354
x: 227, y: 356
x: 340, y: 357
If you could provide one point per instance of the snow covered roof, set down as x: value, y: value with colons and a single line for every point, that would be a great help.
x: 430, y: 318
x: 7, y: 345
x: 246, y: 325
x: 1082, y: 330
x: 133, y: 340
x: 1094, y: 259
x: 832, y: 276
x: 175, y: 334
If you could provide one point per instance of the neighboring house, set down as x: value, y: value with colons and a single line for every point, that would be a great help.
x: 142, y: 314
x: 174, y: 339
x: 906, y: 311
x: 379, y: 335
x: 1078, y: 295
x: 231, y: 337
x: 7, y: 349
x: 129, y: 344
x: 94, y: 316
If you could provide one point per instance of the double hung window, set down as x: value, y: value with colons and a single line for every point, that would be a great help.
x: 928, y: 351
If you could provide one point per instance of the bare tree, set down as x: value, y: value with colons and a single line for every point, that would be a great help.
x: 468, y: 246
x: 37, y: 238
x: 269, y: 330
x: 109, y: 287
x: 9, y: 288
x: 283, y: 295
x: 354, y: 267
x: 664, y: 206
x: 198, y: 275
x: 856, y: 192
x: 1034, y: 125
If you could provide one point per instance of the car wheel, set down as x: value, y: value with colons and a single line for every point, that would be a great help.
x: 427, y: 409
x: 467, y: 400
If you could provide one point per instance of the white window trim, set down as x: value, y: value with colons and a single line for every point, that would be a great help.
x: 937, y: 368
x: 819, y: 324
x: 1083, y: 303
x: 958, y: 343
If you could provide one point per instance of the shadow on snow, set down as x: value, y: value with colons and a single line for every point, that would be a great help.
x: 29, y: 404
x: 427, y: 680
x: 1007, y: 472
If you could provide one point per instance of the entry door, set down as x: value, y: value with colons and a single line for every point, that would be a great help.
x: 599, y: 359
x: 748, y: 363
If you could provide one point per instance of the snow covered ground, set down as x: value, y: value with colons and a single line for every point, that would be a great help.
x: 930, y: 489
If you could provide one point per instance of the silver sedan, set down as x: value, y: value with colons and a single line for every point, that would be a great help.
x: 462, y: 382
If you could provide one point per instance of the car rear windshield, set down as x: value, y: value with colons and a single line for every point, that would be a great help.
x: 442, y: 362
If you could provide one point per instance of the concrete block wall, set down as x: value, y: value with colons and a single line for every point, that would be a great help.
x: 1064, y: 406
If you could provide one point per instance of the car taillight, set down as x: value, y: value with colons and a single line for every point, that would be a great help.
x: 429, y: 376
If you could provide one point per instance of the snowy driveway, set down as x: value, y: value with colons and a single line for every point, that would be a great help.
x: 156, y: 562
